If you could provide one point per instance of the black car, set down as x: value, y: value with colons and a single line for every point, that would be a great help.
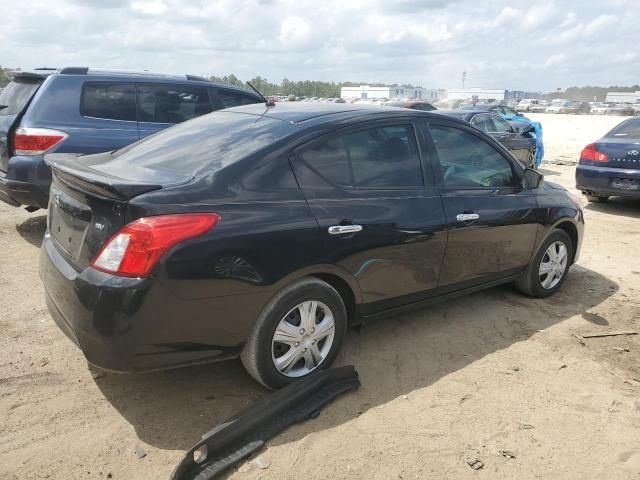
x: 517, y: 137
x: 611, y: 165
x: 576, y: 108
x: 266, y: 232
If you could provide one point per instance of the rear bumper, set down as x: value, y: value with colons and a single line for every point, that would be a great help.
x: 597, y: 180
x: 130, y: 324
x: 26, y: 182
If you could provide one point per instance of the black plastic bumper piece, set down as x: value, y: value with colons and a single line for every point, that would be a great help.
x: 245, y: 433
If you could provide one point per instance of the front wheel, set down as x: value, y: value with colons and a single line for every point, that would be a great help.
x: 549, y: 267
x: 299, y: 331
x: 531, y: 158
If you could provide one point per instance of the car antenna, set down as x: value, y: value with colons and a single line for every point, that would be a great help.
x: 268, y: 103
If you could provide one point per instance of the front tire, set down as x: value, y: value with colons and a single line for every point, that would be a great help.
x: 548, y: 269
x: 299, y: 331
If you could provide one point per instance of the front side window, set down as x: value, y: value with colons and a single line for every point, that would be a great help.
x: 109, y: 100
x: 467, y: 161
x: 498, y: 125
x: 380, y: 157
x: 172, y: 103
x: 483, y: 122
x: 230, y: 99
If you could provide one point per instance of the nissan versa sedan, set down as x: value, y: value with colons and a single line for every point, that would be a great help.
x: 611, y: 166
x: 265, y: 233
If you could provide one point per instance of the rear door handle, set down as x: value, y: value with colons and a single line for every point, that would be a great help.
x: 344, y: 229
x: 465, y: 217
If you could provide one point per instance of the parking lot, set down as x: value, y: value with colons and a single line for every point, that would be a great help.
x: 494, y: 376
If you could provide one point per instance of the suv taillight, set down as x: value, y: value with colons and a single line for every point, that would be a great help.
x: 136, y: 248
x: 590, y: 155
x: 36, y: 141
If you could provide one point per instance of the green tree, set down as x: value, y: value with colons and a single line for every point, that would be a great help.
x: 4, y: 77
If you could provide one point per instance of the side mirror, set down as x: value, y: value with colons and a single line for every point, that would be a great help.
x: 532, y: 178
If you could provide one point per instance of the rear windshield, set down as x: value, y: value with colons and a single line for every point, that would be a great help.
x: 16, y: 95
x: 628, y: 129
x: 208, y: 143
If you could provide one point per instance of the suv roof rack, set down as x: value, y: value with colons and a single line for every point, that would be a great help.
x: 74, y: 70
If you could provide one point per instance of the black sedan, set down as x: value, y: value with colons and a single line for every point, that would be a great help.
x: 611, y: 165
x: 267, y: 232
x: 518, y: 137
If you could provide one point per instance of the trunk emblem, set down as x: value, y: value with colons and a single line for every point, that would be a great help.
x: 99, y: 226
x: 633, y: 152
x: 57, y: 200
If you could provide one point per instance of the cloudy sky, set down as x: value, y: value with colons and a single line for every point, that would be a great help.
x: 518, y: 44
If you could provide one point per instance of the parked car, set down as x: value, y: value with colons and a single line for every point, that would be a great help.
x: 511, y: 115
x: 518, y: 138
x: 279, y: 229
x: 613, y: 109
x: 78, y: 110
x: 576, y: 108
x: 556, y: 107
x: 526, y: 104
x: 539, y: 107
x: 413, y: 104
x: 611, y: 166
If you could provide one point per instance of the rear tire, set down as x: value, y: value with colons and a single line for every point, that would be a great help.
x: 534, y: 281
x: 598, y: 198
x: 266, y: 358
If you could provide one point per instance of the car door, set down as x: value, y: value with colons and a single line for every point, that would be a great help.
x: 382, y: 219
x: 504, y: 133
x: 109, y: 118
x: 492, y: 219
x: 161, y: 106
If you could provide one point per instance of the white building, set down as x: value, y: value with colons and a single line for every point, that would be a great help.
x: 623, y: 97
x: 476, y: 93
x: 367, y: 91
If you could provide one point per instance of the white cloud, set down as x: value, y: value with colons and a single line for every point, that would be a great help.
x: 426, y: 42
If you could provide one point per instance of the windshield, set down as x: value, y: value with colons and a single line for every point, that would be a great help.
x: 210, y: 143
x: 16, y: 95
x: 628, y: 129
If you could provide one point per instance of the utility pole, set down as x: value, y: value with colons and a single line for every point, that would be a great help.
x: 464, y: 77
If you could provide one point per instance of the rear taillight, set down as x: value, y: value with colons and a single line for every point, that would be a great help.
x: 135, y: 249
x: 590, y: 155
x: 36, y: 141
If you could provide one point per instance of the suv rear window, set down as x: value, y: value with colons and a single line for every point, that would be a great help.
x: 16, y: 95
x: 113, y: 101
x: 205, y: 144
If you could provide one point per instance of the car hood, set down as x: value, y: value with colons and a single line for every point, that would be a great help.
x: 554, y: 186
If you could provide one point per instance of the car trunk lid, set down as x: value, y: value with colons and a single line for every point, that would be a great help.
x: 621, y: 153
x: 87, y: 206
x: 13, y: 102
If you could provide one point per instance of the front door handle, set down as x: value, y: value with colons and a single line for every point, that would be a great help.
x: 344, y: 229
x: 466, y: 217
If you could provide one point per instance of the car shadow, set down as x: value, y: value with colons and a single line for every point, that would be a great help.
x: 394, y: 357
x: 617, y: 206
x: 32, y: 229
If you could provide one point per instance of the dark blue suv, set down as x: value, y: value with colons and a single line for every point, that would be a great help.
x: 83, y: 111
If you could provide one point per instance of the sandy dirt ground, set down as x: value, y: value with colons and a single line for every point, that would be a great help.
x: 462, y: 380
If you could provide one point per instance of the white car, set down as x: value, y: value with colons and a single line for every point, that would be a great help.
x: 554, y: 108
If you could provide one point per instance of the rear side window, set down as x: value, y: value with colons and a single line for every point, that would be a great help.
x: 113, y: 101
x: 380, y: 157
x: 483, y: 122
x: 16, y: 95
x: 467, y: 161
x: 230, y: 99
x: 172, y: 103
x: 499, y: 125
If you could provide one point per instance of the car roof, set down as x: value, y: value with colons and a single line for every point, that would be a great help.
x: 300, y: 112
x: 119, y: 75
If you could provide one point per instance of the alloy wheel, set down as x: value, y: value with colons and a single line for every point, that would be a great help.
x: 532, y: 158
x: 303, y: 339
x: 553, y: 265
